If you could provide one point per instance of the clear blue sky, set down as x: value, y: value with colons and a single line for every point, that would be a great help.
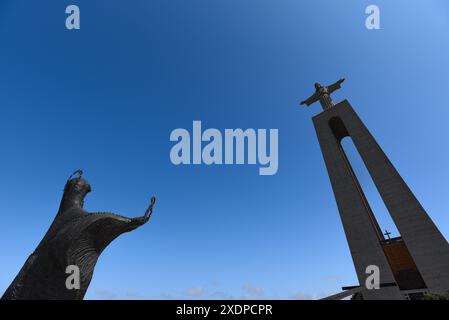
x: 105, y: 99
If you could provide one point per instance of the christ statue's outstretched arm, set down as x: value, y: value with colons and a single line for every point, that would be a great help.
x: 335, y: 86
x: 312, y: 99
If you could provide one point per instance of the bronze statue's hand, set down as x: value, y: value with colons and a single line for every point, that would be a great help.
x: 136, y: 222
x: 150, y: 209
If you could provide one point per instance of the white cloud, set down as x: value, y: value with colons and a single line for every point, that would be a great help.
x: 252, y: 292
x: 134, y: 295
x: 220, y: 295
x: 102, y: 294
x: 195, y: 291
x: 301, y: 296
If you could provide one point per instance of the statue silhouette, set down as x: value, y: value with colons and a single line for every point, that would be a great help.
x: 76, y: 237
x: 322, y: 94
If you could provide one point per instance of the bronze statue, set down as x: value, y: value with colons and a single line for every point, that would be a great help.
x: 75, y: 238
x: 322, y: 94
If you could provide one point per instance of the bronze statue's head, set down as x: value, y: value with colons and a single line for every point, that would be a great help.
x: 317, y: 86
x: 75, y: 191
x: 77, y: 186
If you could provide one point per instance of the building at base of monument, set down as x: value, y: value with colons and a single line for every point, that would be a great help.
x: 417, y: 262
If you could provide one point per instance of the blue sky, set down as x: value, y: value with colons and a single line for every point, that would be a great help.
x: 105, y: 99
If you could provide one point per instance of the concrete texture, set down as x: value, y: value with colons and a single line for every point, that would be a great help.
x: 426, y: 244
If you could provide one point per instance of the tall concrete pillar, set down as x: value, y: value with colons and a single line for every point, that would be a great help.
x: 419, y: 235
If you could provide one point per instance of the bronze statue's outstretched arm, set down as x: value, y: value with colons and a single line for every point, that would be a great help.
x: 106, y: 226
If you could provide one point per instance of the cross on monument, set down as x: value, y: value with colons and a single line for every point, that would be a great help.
x: 322, y: 94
